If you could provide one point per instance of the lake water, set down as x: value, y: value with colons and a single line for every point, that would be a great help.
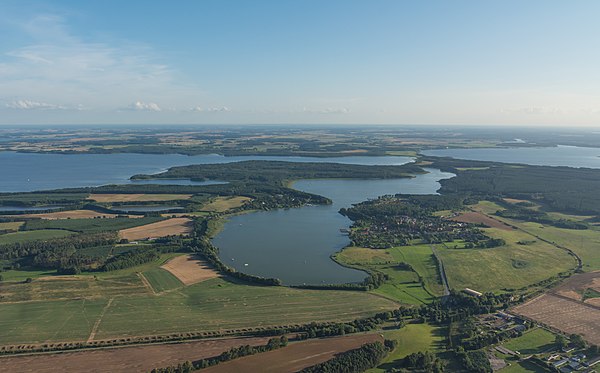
x: 145, y: 208
x: 295, y: 245
x: 33, y: 208
x: 25, y: 172
x: 571, y: 156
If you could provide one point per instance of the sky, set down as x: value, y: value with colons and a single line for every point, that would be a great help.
x: 504, y: 62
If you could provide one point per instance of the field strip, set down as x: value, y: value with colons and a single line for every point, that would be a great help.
x: 97, y: 323
x: 313, y: 356
x: 146, y: 283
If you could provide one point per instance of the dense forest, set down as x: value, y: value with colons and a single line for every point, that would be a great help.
x: 275, y: 172
x: 560, y: 188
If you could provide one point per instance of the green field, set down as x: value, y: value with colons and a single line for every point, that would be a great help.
x: 90, y: 225
x: 10, y: 238
x: 412, y: 338
x: 585, y: 243
x: 533, y: 341
x: 161, y: 280
x: 404, y: 285
x: 211, y: 305
x: 511, y: 266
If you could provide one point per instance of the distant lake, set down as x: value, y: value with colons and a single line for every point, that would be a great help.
x: 295, y: 245
x: 571, y: 156
x: 145, y: 208
x: 27, y: 208
x: 26, y: 172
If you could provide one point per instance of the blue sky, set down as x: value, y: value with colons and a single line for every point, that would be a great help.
x: 301, y: 61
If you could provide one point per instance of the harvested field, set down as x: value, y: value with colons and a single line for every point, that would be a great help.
x: 189, y: 269
x: 222, y: 204
x: 295, y: 356
x: 113, y: 197
x: 577, y: 285
x: 564, y: 314
x: 129, y: 359
x: 479, y: 218
x: 514, y: 200
x: 169, y: 227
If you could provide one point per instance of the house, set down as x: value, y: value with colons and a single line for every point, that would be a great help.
x: 560, y: 363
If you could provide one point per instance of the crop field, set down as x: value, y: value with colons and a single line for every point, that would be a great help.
x: 71, y: 287
x: 479, y: 218
x: 90, y: 225
x: 126, y: 360
x: 584, y: 287
x: 9, y: 238
x: 169, y: 227
x: 296, y: 356
x: 210, y: 305
x: 161, y: 280
x: 11, y: 226
x: 189, y: 269
x: 564, y: 314
x: 134, y: 197
x: 533, y: 341
x: 511, y: 266
x: 412, y: 338
x: 222, y: 204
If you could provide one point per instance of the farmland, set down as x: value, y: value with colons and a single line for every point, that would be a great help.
x: 295, y: 356
x: 416, y: 286
x: 43, y: 234
x: 565, y: 308
x: 222, y: 204
x: 71, y: 214
x: 210, y: 305
x: 125, y: 360
x: 189, y: 269
x: 169, y: 227
x: 161, y: 280
x: 511, y: 266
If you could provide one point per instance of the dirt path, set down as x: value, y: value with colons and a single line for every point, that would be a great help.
x: 146, y: 283
x: 97, y: 323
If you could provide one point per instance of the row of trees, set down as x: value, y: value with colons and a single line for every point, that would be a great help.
x: 360, y: 359
x: 231, y: 354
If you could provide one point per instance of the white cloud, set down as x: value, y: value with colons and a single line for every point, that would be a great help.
x: 33, y: 105
x: 143, y: 106
x: 60, y: 66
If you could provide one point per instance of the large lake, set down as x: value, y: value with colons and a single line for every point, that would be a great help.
x: 25, y: 172
x: 295, y: 245
x: 571, y: 156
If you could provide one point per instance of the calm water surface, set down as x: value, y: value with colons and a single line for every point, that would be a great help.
x: 571, y: 156
x: 25, y: 172
x: 295, y: 245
